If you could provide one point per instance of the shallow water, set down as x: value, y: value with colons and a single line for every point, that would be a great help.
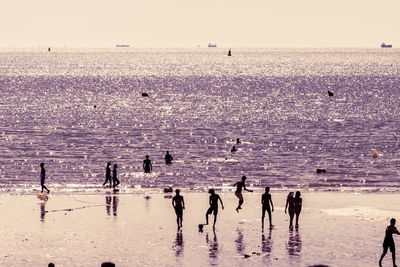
x: 200, y: 101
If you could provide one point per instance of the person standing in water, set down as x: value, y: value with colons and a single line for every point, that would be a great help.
x: 213, y: 206
x: 43, y: 177
x: 179, y: 205
x: 147, y: 167
x: 108, y: 174
x: 265, y: 200
x: 168, y: 158
x: 298, y: 202
x: 388, y: 242
x: 239, y: 185
x: 290, y: 202
x: 114, y: 177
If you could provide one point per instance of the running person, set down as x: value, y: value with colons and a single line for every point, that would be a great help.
x: 388, y: 242
x: 147, y: 166
x: 179, y: 205
x: 43, y: 177
x: 108, y: 174
x: 213, y: 206
x: 114, y: 177
x: 239, y: 185
x: 265, y: 200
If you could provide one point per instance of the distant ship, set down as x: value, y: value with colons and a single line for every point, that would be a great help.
x: 122, y: 45
x: 383, y: 45
x: 212, y: 45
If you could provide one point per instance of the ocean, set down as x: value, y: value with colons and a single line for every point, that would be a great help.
x: 76, y: 109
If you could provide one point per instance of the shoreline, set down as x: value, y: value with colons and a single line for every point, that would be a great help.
x: 343, y: 229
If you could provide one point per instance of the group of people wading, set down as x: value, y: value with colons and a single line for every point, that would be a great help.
x: 293, y: 202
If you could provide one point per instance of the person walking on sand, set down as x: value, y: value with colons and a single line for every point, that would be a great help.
x: 108, y: 174
x: 213, y: 206
x: 298, y: 202
x: 292, y: 208
x: 265, y: 200
x: 168, y: 158
x: 179, y: 205
x: 388, y: 242
x: 239, y: 185
x: 43, y: 177
x: 147, y: 167
x: 114, y: 177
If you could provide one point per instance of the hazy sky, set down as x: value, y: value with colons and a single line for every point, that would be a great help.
x: 188, y: 23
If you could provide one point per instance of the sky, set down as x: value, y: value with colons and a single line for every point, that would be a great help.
x: 189, y: 23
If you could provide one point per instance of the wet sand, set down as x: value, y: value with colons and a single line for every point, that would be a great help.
x: 336, y: 229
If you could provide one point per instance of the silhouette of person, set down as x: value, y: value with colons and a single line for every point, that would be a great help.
x: 298, y: 203
x: 290, y: 202
x: 114, y: 177
x: 213, y: 206
x: 51, y: 265
x: 43, y: 177
x: 388, y: 242
x: 168, y: 158
x: 147, y: 167
x: 239, y: 185
x: 233, y: 149
x: 265, y: 200
x: 108, y: 174
x: 229, y: 53
x: 179, y: 205
x: 238, y: 141
x: 107, y: 264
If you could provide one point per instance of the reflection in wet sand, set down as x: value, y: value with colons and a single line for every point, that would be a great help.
x: 178, y: 244
x: 115, y: 201
x: 108, y: 204
x: 213, y: 246
x: 266, y: 244
x: 239, y: 242
x: 42, y: 211
x: 293, y: 245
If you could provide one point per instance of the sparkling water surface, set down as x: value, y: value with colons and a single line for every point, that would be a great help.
x: 76, y: 109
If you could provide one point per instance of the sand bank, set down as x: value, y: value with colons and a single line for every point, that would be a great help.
x: 336, y: 229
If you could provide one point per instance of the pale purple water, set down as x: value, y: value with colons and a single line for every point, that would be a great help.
x: 274, y: 100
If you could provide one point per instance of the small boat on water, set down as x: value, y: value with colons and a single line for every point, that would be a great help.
x: 383, y: 45
x: 122, y: 45
x: 212, y: 45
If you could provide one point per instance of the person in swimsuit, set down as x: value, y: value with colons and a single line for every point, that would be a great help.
x: 179, y: 205
x: 43, y: 177
x: 298, y: 203
x: 168, y: 158
x: 213, y: 206
x: 147, y: 167
x: 239, y: 185
x: 114, y: 177
x: 388, y: 242
x: 265, y: 200
x: 291, y: 203
x: 108, y: 174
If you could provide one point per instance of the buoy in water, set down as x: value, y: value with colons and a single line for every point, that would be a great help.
x: 168, y: 189
x: 374, y: 153
x: 145, y: 94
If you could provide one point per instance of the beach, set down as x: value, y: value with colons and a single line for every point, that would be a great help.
x: 336, y: 229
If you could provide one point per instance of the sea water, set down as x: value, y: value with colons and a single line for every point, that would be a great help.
x: 77, y: 109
